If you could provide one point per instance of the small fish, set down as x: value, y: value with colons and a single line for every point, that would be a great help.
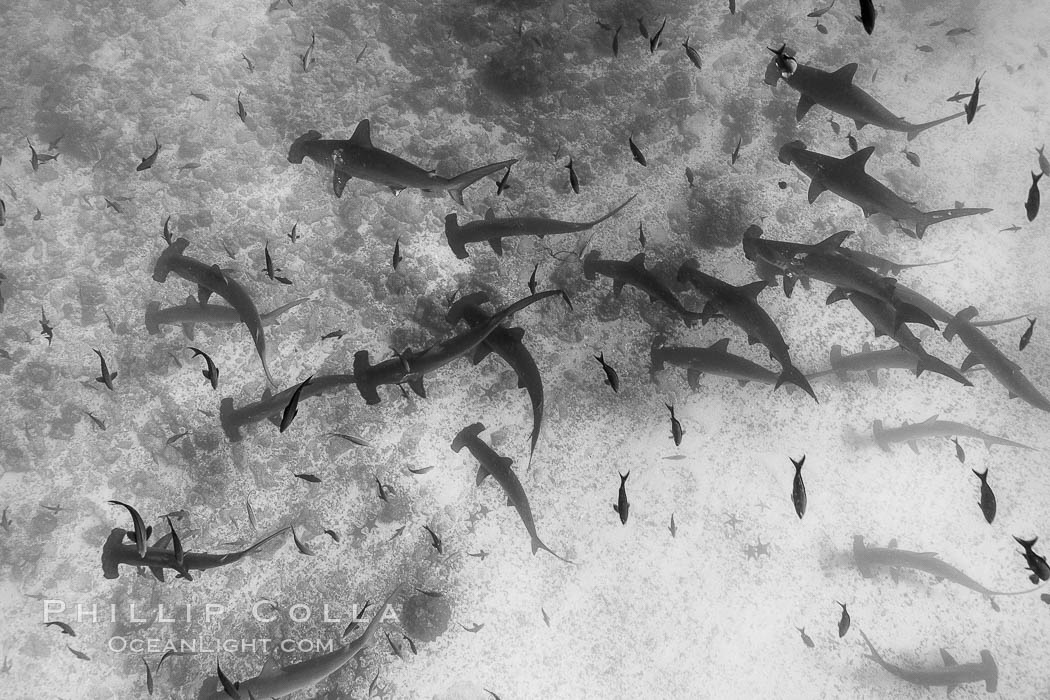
x: 641, y: 234
x: 798, y: 488
x: 736, y: 151
x: 66, y: 629
x: 913, y: 158
x: 478, y: 555
x: 212, y: 372
x: 654, y: 41
x: 308, y: 478
x: 292, y: 408
x: 270, y: 270
x: 475, y: 628
x: 936, y: 23
x: 54, y: 509
x: 959, y: 96
x: 3, y: 213
x: 925, y: 48
x: 782, y: 185
x: 957, y: 31
x: 532, y: 279
x: 175, y: 438
x: 79, y: 654
x: 46, y: 329
x: 334, y: 334
x: 604, y: 25
x: 1036, y: 562
x: 396, y: 260
x: 251, y: 512
x: 971, y: 106
x: 867, y: 15
x: 411, y: 644
x: 852, y: 140
x: 251, y: 65
x: 200, y: 96
x: 1011, y: 229
x: 822, y: 11
x: 357, y: 620
x: 334, y: 535
x: 435, y: 541
x: 38, y: 216
x: 636, y: 152
x: 642, y: 28
x: 732, y: 7
x: 987, y: 501
x: 689, y: 176
x: 611, y: 377
x: 616, y: 41
x: 113, y: 205
x: 350, y: 438
x: 106, y: 377
x: 300, y: 545
x: 1026, y: 337
x: 34, y: 159
x: 622, y: 506
x: 4, y: 522
x: 843, y: 621
x: 672, y: 527
x: 959, y: 453
x: 382, y: 490
x: 546, y: 618
x: 574, y: 182
x: 294, y: 235
x: 52, y: 145
x: 805, y: 637
x: 141, y: 533
x: 821, y: 28
x: 228, y: 686
x: 1031, y: 206
x: 240, y: 109
x: 501, y: 184
x: 397, y: 533
x: 308, y: 57
x: 101, y: 424
x: 149, y: 160
x: 421, y: 470
x: 676, y: 427
x: 693, y: 55
x: 1044, y: 164
x: 149, y: 677
x: 361, y: 54
x: 1042, y: 51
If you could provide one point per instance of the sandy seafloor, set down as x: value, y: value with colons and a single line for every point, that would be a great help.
x: 452, y: 85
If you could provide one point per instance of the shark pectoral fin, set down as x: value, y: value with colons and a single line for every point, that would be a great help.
x: 275, y: 418
x: 752, y: 340
x: 362, y: 135
x: 480, y: 353
x: 1011, y: 395
x: 860, y: 124
x: 203, y: 294
x: 914, y: 447
x: 482, y: 473
x: 753, y: 289
x: 895, y: 574
x: 816, y: 188
x: 637, y: 261
x: 269, y: 668
x: 789, y: 284
x: 741, y: 382
x: 834, y: 241
x: 497, y: 245
x: 158, y: 573
x: 971, y: 361
x: 187, y: 330
x: 837, y: 294
x: 805, y: 103
x: 416, y: 385
x: 948, y: 660
x: 720, y: 345
x: 339, y: 180
x: 873, y: 377
x: 617, y: 287
x: 846, y: 73
x: 693, y: 377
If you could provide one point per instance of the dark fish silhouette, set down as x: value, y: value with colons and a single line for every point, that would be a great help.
x: 694, y: 56
x: 1031, y: 206
x: 1036, y: 562
x: 292, y: 409
x: 211, y: 373
x: 1026, y: 337
x: 844, y: 621
x: 501, y: 184
x: 676, y: 427
x: 636, y: 152
x: 574, y: 181
x: 149, y: 160
x: 805, y: 637
x: 951, y: 674
x: 106, y: 378
x: 622, y: 507
x: 396, y: 260
x: 798, y: 488
x: 987, y: 501
x: 867, y: 15
x: 611, y: 377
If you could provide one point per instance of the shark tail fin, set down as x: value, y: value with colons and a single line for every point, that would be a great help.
x: 871, y: 647
x: 298, y: 149
x: 612, y: 213
x: 471, y: 431
x: 930, y: 218
x: 537, y: 545
x: 917, y: 129
x: 464, y: 180
x: 152, y: 326
x: 792, y: 375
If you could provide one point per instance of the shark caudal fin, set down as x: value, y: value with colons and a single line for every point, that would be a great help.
x: 271, y: 316
x: 452, y: 236
x: 152, y: 326
x: 470, y: 432
x: 462, y: 181
x: 537, y: 545
x: 298, y: 149
x: 367, y: 388
x: 939, y: 366
x: 245, y: 552
x: 110, y: 564
x: 930, y: 218
x: 917, y: 129
x: 611, y: 214
x: 163, y: 265
x: 792, y: 375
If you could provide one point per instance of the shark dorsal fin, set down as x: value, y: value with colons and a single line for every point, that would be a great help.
x: 948, y: 660
x: 637, y: 261
x: 362, y: 134
x: 846, y: 73
x: 489, y: 214
x: 753, y: 289
x: 191, y: 300
x: 720, y: 345
x: 833, y: 241
x: 859, y: 159
x: 932, y: 418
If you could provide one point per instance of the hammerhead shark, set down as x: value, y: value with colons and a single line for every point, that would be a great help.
x: 357, y: 157
x: 505, y: 342
x: 867, y: 558
x: 192, y: 313
x: 951, y: 675
x: 910, y: 433
x: 212, y: 280
x: 498, y: 467
x: 277, y: 681
x: 847, y: 178
x: 410, y: 367
x: 835, y: 91
x: 494, y: 230
x: 984, y: 352
x: 868, y: 361
x: 881, y: 265
x: 271, y: 405
x: 633, y: 272
x: 158, y: 557
x: 740, y: 305
x: 714, y: 359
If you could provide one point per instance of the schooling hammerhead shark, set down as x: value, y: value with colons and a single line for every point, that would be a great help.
x: 357, y: 157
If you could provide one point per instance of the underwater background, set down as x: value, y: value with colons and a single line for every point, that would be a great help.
x: 711, y: 610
